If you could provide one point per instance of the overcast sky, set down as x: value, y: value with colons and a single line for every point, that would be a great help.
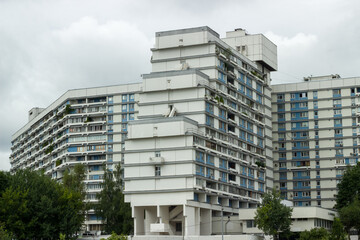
x: 50, y: 46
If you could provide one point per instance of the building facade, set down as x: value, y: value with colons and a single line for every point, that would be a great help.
x: 202, y: 144
x: 85, y: 126
x: 196, y: 137
x: 315, y: 132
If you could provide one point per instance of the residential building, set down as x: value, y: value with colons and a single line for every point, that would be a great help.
x: 202, y: 144
x: 195, y: 137
x: 315, y: 132
x: 85, y: 126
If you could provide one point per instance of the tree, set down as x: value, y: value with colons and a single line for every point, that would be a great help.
x: 349, y: 187
x: 74, y: 179
x: 337, y: 232
x: 4, y: 234
x: 4, y: 181
x: 33, y: 206
x: 114, y: 212
x: 272, y: 217
x: 315, y: 234
x: 350, y: 215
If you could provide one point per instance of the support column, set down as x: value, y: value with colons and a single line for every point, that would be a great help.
x: 192, y: 221
x: 205, y: 221
x: 138, y: 215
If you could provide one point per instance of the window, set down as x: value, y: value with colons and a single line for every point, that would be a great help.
x: 316, y: 123
x: 124, y: 107
x: 281, y: 115
x: 315, y: 104
x: 131, y: 106
x: 124, y: 98
x: 110, y: 118
x: 337, y: 101
x: 338, y: 152
x: 131, y: 97
x: 316, y: 113
x: 178, y: 227
x: 157, y: 171
x: 124, y: 117
x: 337, y: 122
x: 110, y: 99
x: 317, y: 173
x: 315, y: 94
x: 304, y: 124
x: 110, y: 108
x: 317, y: 163
x: 131, y: 116
x: 303, y: 95
x: 336, y: 92
x: 281, y: 107
x: 281, y: 125
x: 316, y: 133
x: 157, y: 154
x: 303, y: 104
x: 282, y: 165
x: 110, y: 138
x: 280, y: 97
x: 337, y: 111
x: 250, y: 224
x: 304, y: 154
x: 338, y: 131
x: 303, y: 114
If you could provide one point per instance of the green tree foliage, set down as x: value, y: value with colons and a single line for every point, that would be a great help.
x: 272, y: 217
x: 4, y: 234
x: 33, y: 206
x: 337, y: 232
x: 350, y: 215
x: 315, y: 234
x: 114, y: 236
x: 4, y: 181
x: 115, y: 213
x: 74, y: 179
x: 349, y: 186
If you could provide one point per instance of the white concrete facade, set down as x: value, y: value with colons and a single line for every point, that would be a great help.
x: 316, y: 129
x: 86, y: 126
x: 203, y: 139
x: 195, y: 137
x: 302, y: 220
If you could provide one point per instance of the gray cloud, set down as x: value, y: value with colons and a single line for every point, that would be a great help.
x: 48, y: 47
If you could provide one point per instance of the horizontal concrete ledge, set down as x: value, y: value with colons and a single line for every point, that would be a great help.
x: 172, y: 237
x: 213, y: 237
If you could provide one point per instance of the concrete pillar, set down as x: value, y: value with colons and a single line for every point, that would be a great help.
x: 192, y: 221
x: 138, y: 215
x: 205, y: 221
x: 163, y: 215
x: 150, y: 217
